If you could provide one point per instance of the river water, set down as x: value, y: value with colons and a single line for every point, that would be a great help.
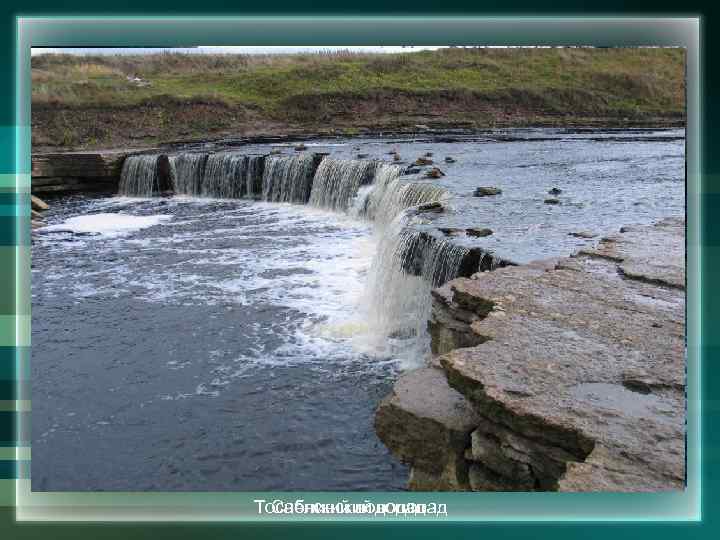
x: 187, y: 343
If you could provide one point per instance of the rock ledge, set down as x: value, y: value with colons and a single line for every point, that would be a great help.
x: 569, y: 374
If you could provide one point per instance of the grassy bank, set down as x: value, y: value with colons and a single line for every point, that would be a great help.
x: 90, y: 102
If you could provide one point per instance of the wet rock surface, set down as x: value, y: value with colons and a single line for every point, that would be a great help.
x: 486, y: 191
x: 434, y: 173
x: 451, y: 231
x: 574, y: 369
x: 582, y: 234
x: 479, y: 232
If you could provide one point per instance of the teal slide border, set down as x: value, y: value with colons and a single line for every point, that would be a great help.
x: 262, y: 35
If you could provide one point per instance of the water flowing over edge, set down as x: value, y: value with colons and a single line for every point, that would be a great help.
x: 409, y: 261
x: 140, y: 176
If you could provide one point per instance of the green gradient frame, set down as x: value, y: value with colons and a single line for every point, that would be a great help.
x: 163, y: 31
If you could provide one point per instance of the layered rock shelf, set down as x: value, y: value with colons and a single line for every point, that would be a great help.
x: 67, y: 172
x: 559, y: 375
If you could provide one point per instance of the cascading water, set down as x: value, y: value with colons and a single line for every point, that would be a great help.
x: 288, y: 178
x: 409, y: 261
x: 140, y: 176
x: 186, y: 172
x: 254, y: 173
x: 337, y: 182
x: 225, y: 175
x: 231, y: 176
x: 368, y: 197
x: 408, y: 264
x: 399, y: 195
x: 437, y: 260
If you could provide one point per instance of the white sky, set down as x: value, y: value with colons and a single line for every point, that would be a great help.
x: 228, y: 50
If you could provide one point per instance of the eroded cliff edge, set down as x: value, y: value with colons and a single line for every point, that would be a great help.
x: 565, y: 375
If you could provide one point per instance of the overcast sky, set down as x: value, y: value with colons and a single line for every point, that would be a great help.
x: 227, y: 50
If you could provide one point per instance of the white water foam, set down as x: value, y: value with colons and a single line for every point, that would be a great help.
x: 310, y: 261
x: 106, y: 224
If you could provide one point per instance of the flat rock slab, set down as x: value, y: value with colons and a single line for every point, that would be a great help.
x: 78, y: 164
x: 581, y: 358
x: 427, y: 424
x: 78, y: 171
x: 655, y: 254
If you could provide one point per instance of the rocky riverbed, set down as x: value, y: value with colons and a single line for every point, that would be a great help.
x: 565, y: 374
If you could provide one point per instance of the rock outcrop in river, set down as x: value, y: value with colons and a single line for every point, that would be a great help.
x: 564, y: 375
x: 37, y: 207
x: 81, y: 172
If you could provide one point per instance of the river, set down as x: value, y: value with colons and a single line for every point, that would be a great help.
x: 197, y: 343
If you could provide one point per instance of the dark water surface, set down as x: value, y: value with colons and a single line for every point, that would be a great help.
x: 227, y: 347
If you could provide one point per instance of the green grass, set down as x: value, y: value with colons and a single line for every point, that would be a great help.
x: 529, y: 83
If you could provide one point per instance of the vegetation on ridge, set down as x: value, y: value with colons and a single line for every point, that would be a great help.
x: 86, y: 101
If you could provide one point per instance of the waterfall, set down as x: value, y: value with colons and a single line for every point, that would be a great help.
x: 288, y: 178
x: 140, y: 176
x: 369, y: 197
x: 231, y: 175
x: 410, y: 259
x: 399, y: 195
x: 409, y: 263
x: 225, y: 175
x: 437, y: 260
x: 254, y: 173
x: 186, y: 172
x: 337, y: 181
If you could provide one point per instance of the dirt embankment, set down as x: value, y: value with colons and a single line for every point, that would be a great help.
x: 156, y: 122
